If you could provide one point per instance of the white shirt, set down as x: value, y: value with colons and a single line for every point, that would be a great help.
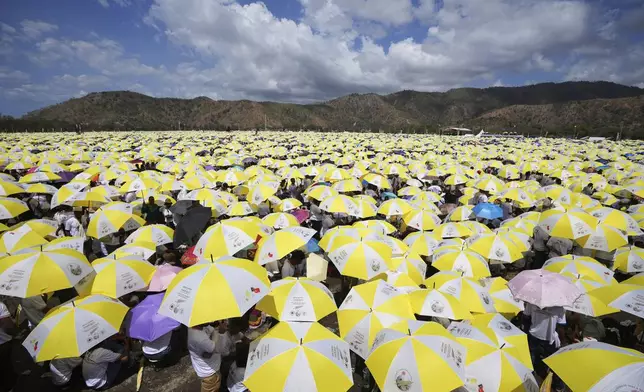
x: 157, y: 346
x: 129, y: 197
x: 4, y: 313
x: 95, y: 366
x: 481, y: 199
x: 33, y: 309
x: 289, y: 269
x: 203, y: 341
x: 235, y: 377
x: 74, y: 227
x: 544, y: 322
x: 61, y: 369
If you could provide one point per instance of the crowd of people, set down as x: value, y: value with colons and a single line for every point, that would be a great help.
x: 219, y: 351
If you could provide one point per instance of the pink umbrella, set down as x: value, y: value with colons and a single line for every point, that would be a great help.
x: 301, y: 215
x: 544, y: 288
x: 162, y: 277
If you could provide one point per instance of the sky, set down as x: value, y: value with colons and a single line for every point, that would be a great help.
x: 308, y: 50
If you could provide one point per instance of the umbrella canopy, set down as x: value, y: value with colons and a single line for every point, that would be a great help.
x: 117, y: 277
x: 626, y: 297
x: 367, y: 309
x: 146, y: 323
x: 158, y: 234
x: 595, y: 366
x: 488, y: 211
x: 162, y: 277
x: 544, y: 288
x: 214, y: 291
x: 226, y: 238
x: 190, y: 225
x: 40, y: 272
x: 298, y: 299
x: 281, y: 243
x: 299, y: 357
x: 72, y: 328
x: 417, y: 357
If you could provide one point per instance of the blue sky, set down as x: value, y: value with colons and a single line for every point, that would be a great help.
x: 308, y: 50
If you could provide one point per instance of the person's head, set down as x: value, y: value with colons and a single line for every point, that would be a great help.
x: 297, y: 256
x: 292, y: 181
x: 151, y: 200
x: 167, y: 203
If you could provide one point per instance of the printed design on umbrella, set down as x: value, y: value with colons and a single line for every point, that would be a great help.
x: 403, y: 380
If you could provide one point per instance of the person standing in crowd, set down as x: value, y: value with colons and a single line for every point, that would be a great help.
x: 206, y: 347
x: 7, y: 331
x: 62, y: 369
x: 168, y: 215
x: 559, y: 247
x: 102, y: 364
x: 546, y: 332
x: 294, y: 265
x: 152, y: 212
x: 540, y: 248
x: 73, y: 226
x: 235, y: 379
x: 33, y: 310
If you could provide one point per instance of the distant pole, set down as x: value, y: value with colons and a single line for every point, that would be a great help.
x: 179, y: 125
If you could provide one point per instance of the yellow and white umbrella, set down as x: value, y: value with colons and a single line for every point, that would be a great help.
x: 460, y: 214
x: 367, y: 309
x: 72, y: 328
x: 281, y: 243
x: 9, y: 188
x: 504, y: 301
x: 280, y: 220
x: 394, y: 207
x: 361, y: 258
x: 19, y: 240
x: 434, y: 303
x: 636, y: 280
x: 66, y: 192
x: 298, y: 357
x: 378, y: 225
x: 39, y: 177
x: 453, y: 230
x: 226, y: 238
x: 464, y: 261
x: 469, y: 292
x: 626, y: 297
x: 298, y: 299
x: 140, y: 249
x: 605, y: 238
x: 505, y: 332
x: 340, y: 204
x: 320, y: 192
x: 345, y: 186
x: 587, y: 303
x: 580, y: 265
x: 412, y: 265
x: 240, y: 208
x: 423, y: 243
x: 159, y: 234
x: 288, y: 205
x: 572, y: 224
x: 596, y: 366
x: 420, y: 357
x: 492, y: 364
x: 497, y: 247
x: 618, y: 219
x: 629, y: 259
x: 11, y: 207
x: 261, y: 192
x: 214, y: 291
x: 40, y: 272
x: 117, y: 277
x: 110, y: 219
x: 421, y: 219
x: 40, y: 188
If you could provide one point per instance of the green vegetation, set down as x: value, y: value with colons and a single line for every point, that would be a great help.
x: 572, y: 108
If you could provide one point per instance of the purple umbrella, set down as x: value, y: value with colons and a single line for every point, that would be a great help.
x: 146, y: 324
x: 66, y: 176
x: 544, y: 288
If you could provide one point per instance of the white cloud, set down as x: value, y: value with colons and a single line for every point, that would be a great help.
x: 121, y: 3
x: 35, y: 28
x: 5, y: 28
x: 12, y: 76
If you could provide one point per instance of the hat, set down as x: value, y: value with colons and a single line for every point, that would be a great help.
x: 256, y: 319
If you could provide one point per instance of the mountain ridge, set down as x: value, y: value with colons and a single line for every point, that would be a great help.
x: 539, y: 107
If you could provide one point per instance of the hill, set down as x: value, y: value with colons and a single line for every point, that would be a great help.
x: 547, y: 106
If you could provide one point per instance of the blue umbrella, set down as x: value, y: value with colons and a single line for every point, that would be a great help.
x: 312, y: 246
x: 488, y: 211
x: 388, y: 195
